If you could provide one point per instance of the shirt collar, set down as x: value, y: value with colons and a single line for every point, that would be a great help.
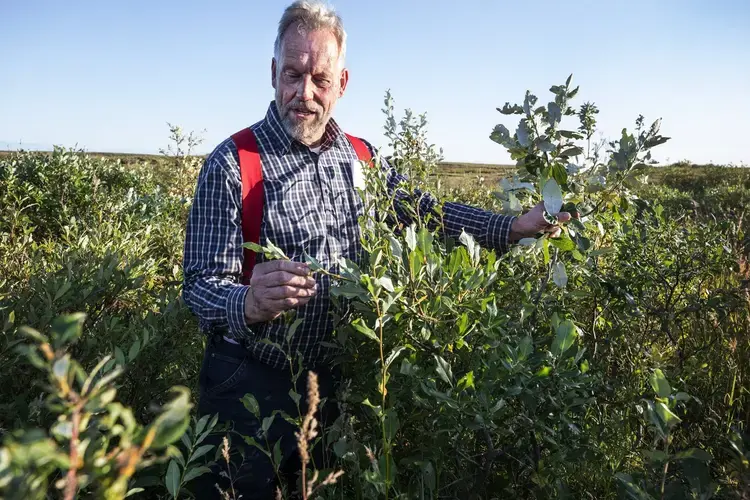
x: 282, y: 142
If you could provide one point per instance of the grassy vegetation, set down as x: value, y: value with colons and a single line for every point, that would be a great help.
x: 612, y: 362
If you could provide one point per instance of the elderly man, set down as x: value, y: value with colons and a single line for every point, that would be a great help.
x: 308, y: 204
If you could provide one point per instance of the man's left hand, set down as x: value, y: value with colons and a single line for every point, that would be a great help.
x: 533, y: 222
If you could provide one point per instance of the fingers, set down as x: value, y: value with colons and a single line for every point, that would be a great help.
x: 563, y: 216
x: 285, y: 292
x: 288, y: 266
x: 266, y: 304
x: 282, y: 278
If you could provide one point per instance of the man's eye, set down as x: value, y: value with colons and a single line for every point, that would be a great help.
x: 291, y: 74
x: 322, y: 82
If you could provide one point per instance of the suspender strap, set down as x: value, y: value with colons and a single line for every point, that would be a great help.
x: 363, y: 153
x: 251, y: 175
x: 252, y: 195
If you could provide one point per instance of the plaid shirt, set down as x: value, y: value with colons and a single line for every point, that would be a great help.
x: 310, y: 206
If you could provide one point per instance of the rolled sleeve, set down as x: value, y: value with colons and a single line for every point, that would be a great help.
x: 491, y: 230
x: 498, y: 231
x: 238, y: 327
x: 213, y: 253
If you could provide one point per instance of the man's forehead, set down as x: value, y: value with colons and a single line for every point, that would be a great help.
x: 313, y: 46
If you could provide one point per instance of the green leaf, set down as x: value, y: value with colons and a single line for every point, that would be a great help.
x: 560, y: 174
x: 411, y: 238
x: 195, y: 472
x: 584, y: 366
x: 444, y: 370
x: 252, y: 442
x: 565, y: 338
x: 253, y: 246
x: 362, y: 328
x: 177, y: 455
x: 201, y: 424
x: 574, y: 151
x: 428, y: 475
x: 277, y: 453
x: 61, y: 291
x: 666, y: 415
x: 424, y: 241
x: 267, y: 423
x: 555, y: 113
x: 559, y: 276
x: 172, y: 479
x: 313, y: 262
x: 119, y: 356
x: 93, y: 373
x: 656, y: 456
x: 274, y: 252
x: 393, y: 355
x: 391, y: 424
x: 185, y: 441
x: 569, y: 134
x: 251, y: 404
x: 683, y: 396
x: 463, y: 323
x: 467, y: 381
x: 134, y: 350
x: 68, y: 327
x: 173, y: 420
x: 552, y: 197
x: 564, y: 243
x: 202, y: 450
x: 295, y: 396
x: 659, y: 384
x: 386, y: 283
x: 633, y: 491
x: 695, y: 454
x: 340, y: 447
x: 525, y: 347
x: 522, y: 133
x: 544, y: 372
x: 471, y: 245
x: 60, y: 368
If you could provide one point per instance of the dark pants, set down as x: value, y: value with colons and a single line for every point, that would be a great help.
x: 227, y: 374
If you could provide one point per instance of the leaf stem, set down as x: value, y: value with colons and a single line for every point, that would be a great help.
x: 383, y: 373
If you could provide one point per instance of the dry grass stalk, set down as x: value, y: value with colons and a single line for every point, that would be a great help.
x: 225, y: 453
x: 308, y: 432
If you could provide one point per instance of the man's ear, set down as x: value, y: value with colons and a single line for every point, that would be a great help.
x: 273, y: 72
x: 344, y: 80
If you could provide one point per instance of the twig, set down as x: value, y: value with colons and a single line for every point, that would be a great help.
x: 71, y: 485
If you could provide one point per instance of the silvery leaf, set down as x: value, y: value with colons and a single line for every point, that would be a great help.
x: 552, y: 197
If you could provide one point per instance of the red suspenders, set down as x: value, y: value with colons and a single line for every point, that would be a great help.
x: 251, y: 174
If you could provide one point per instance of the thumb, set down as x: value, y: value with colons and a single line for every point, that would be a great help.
x: 563, y: 216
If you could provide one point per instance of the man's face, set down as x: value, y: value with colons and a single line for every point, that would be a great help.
x: 308, y: 82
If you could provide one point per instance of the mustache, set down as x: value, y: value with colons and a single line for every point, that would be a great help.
x: 303, y: 107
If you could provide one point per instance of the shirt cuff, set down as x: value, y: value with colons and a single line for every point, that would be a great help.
x: 238, y: 327
x: 498, y: 231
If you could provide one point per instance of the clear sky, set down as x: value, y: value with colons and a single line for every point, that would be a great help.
x: 107, y: 76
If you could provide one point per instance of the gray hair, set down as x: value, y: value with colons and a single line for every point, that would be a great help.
x: 310, y: 16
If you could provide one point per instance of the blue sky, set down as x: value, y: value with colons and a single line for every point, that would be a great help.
x: 107, y: 76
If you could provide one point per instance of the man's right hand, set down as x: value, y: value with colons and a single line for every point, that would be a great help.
x: 278, y: 286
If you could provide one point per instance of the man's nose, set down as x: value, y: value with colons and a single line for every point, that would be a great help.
x: 305, y: 88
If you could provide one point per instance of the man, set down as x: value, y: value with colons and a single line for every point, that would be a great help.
x: 310, y: 206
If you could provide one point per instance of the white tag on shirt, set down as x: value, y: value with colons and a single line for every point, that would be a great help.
x: 358, y: 175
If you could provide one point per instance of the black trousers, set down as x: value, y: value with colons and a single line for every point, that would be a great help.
x: 227, y: 374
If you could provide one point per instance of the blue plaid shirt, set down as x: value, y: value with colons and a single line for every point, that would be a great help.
x: 310, y: 206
